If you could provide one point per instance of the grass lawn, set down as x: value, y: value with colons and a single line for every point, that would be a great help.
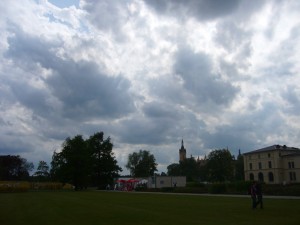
x: 114, y: 208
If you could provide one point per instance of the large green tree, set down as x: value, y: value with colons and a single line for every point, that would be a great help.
x: 220, y: 165
x: 73, y: 163
x: 174, y: 169
x: 13, y: 167
x: 81, y: 162
x: 190, y: 168
x: 141, y: 164
x: 104, y: 164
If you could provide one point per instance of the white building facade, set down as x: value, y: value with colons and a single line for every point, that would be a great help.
x: 275, y: 164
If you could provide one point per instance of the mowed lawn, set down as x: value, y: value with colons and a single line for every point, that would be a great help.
x: 114, y: 208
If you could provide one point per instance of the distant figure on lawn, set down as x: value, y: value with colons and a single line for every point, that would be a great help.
x: 256, y: 195
x: 253, y: 194
x: 259, y: 196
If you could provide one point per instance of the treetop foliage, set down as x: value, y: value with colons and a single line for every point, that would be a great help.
x: 141, y: 164
x: 13, y: 167
x: 82, y: 162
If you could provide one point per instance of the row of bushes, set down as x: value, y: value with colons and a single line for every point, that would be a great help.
x: 14, y: 186
x: 239, y: 188
x: 23, y: 186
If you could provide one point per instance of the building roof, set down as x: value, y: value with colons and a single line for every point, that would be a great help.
x: 274, y: 148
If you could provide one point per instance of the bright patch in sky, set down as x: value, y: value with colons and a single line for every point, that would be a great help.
x: 65, y: 3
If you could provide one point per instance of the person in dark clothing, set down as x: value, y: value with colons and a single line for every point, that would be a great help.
x: 253, y: 194
x: 259, y: 196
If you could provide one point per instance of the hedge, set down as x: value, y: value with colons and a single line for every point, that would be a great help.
x: 22, y: 186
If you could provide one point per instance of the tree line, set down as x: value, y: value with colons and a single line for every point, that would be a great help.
x: 219, y: 166
x: 91, y: 162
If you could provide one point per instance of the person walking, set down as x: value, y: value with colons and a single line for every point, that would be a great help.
x: 253, y: 195
x: 259, y: 195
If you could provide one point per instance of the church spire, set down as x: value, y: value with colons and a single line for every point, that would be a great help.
x: 182, y: 152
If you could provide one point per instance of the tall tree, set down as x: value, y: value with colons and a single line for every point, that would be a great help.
x: 190, y: 168
x: 220, y: 165
x: 72, y: 164
x: 141, y: 164
x: 42, y: 172
x: 174, y: 169
x: 104, y: 164
x: 83, y: 161
x: 13, y: 167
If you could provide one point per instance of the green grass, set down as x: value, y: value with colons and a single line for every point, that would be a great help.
x: 114, y: 208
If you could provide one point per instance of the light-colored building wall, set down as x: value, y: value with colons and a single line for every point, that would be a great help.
x: 271, y: 165
x: 166, y: 181
x: 291, y: 172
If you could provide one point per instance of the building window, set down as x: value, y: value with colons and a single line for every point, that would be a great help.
x: 261, y: 177
x: 250, y: 166
x: 292, y: 176
x: 259, y: 156
x: 270, y: 164
x: 161, y: 182
x: 251, y: 176
x: 259, y: 166
x: 291, y: 165
x: 269, y: 155
x: 271, y: 177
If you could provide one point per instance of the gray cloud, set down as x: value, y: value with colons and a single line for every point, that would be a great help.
x: 196, y: 70
x: 108, y: 16
x: 200, y: 9
x: 230, y: 36
x: 82, y: 89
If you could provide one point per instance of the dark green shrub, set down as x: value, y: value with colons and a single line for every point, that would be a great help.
x: 217, y: 188
x: 167, y: 189
x: 195, y: 184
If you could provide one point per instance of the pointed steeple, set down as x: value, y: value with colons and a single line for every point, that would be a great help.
x: 182, y: 152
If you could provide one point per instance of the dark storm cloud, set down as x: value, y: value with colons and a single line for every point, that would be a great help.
x: 144, y: 131
x: 159, y: 123
x: 160, y: 110
x: 196, y: 72
x: 85, y: 91
x: 31, y: 97
x: 11, y: 145
x: 80, y: 87
x: 246, y: 132
x: 199, y: 9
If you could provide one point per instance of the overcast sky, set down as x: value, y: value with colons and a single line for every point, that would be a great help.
x: 148, y: 73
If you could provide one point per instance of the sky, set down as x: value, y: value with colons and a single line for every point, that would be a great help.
x: 217, y: 74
